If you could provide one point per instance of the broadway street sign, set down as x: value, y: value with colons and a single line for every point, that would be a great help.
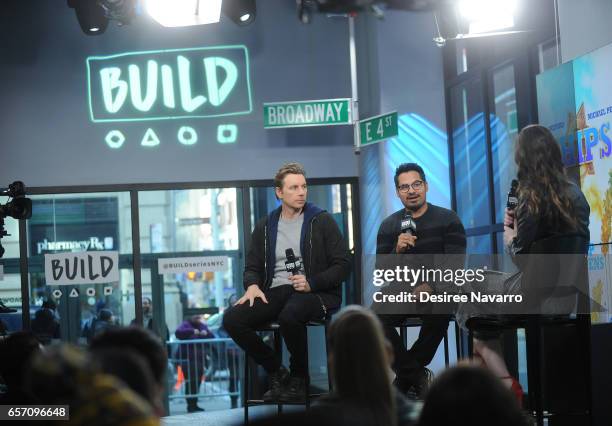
x: 326, y: 112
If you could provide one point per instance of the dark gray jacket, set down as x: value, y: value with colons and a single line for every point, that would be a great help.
x: 324, y: 252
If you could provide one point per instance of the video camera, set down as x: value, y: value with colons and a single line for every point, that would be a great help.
x: 18, y: 207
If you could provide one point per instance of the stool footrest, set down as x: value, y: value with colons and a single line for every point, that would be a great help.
x: 252, y: 402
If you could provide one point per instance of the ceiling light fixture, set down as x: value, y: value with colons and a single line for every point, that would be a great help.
x: 183, y: 13
x: 242, y: 12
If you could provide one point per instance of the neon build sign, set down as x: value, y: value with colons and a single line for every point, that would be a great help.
x: 170, y: 85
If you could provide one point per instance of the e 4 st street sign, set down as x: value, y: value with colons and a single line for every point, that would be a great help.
x: 378, y: 128
x: 325, y: 112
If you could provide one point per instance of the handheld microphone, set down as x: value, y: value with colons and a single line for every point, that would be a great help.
x: 292, y: 264
x: 407, y: 225
x: 512, y: 201
x: 512, y: 195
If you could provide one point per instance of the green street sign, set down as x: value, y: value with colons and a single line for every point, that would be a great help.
x: 376, y: 129
x: 325, y: 112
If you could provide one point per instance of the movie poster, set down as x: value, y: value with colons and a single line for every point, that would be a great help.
x: 593, y: 95
x: 575, y: 103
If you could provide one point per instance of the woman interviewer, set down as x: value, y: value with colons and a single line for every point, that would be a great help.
x: 549, y: 205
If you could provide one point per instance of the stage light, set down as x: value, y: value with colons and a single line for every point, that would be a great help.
x: 183, y: 13
x: 91, y: 16
x: 242, y: 12
x: 488, y: 15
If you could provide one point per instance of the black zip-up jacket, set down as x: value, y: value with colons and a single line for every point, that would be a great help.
x: 324, y: 252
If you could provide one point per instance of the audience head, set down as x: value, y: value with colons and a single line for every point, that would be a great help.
x: 359, y: 360
x: 470, y: 396
x: 105, y: 315
x: 16, y: 351
x: 146, y: 346
x: 141, y: 341
x: 49, y: 304
x: 196, y: 319
x: 146, y: 305
x: 132, y: 369
x: 65, y: 375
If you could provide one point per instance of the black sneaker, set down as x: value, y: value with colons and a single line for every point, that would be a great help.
x: 192, y: 405
x: 295, y: 391
x: 416, y: 385
x: 276, y: 380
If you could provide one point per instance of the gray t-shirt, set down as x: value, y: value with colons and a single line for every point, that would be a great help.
x: 288, y: 236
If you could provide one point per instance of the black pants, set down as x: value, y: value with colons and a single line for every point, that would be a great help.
x: 291, y: 309
x: 193, y: 377
x: 408, y: 362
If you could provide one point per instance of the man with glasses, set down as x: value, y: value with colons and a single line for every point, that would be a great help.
x: 294, y: 269
x: 417, y: 233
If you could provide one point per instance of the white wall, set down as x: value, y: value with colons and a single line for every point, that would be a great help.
x: 584, y: 25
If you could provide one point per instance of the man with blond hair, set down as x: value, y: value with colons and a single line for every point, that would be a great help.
x: 293, y: 298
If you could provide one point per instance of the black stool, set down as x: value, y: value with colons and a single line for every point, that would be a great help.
x: 274, y: 327
x: 533, y: 326
x: 417, y: 322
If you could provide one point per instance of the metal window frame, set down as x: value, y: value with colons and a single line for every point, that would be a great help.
x: 243, y: 186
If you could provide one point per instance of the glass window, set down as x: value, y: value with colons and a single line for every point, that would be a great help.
x: 548, y: 55
x: 188, y: 223
x: 504, y: 135
x: 462, y: 63
x: 479, y: 244
x: 469, y: 145
x: 188, y: 220
x: 335, y: 199
x: 79, y: 223
x: 10, y: 242
x: 10, y: 285
x: 479, y: 251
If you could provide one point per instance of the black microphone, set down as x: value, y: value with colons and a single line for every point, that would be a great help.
x: 407, y: 225
x: 512, y: 201
x: 292, y: 264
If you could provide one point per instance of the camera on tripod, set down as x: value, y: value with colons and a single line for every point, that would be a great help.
x: 18, y: 207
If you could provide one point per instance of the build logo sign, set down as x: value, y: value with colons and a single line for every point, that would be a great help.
x: 180, y: 85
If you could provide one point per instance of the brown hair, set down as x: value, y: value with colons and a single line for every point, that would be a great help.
x: 287, y: 169
x: 359, y: 363
x: 543, y: 183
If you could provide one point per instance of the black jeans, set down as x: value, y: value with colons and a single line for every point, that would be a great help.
x: 409, y: 362
x: 291, y: 309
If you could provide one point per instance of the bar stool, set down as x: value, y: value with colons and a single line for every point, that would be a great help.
x: 417, y: 322
x: 274, y: 327
x: 534, y: 326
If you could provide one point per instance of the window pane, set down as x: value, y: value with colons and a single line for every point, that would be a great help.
x: 504, y: 135
x: 479, y: 244
x: 188, y: 220
x: 548, y: 55
x: 461, y: 53
x: 469, y: 145
x: 10, y: 242
x: 77, y: 223
x: 186, y: 224
x: 10, y: 285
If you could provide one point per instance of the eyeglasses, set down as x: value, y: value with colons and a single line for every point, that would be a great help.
x: 417, y: 185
